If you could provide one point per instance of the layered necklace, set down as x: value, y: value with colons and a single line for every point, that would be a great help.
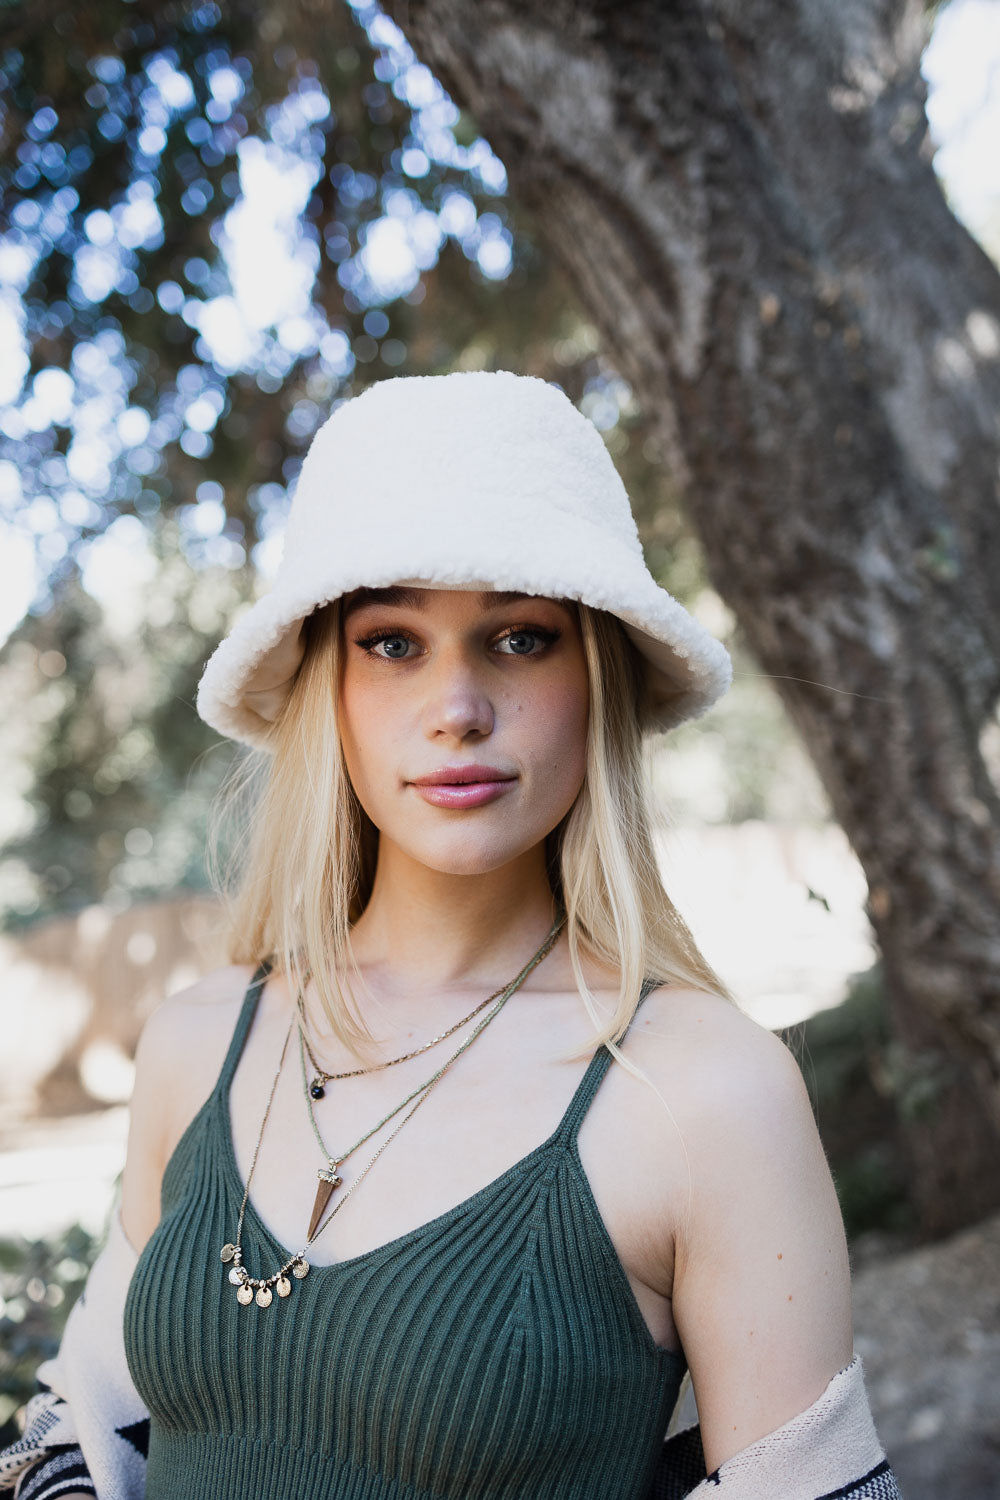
x: 261, y: 1289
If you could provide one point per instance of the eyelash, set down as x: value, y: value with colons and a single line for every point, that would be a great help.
x: 369, y: 642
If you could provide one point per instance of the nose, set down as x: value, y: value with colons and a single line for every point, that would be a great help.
x: 458, y: 700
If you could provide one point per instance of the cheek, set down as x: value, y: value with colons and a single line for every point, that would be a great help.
x: 363, y: 722
x: 558, y: 732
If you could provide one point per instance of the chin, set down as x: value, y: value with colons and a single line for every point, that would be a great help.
x: 468, y: 856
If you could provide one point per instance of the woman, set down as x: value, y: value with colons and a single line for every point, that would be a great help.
x: 449, y: 917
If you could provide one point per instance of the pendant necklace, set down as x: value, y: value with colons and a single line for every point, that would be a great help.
x: 329, y: 1176
x: 253, y: 1288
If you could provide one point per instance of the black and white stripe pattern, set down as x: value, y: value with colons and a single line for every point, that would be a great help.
x: 63, y: 1473
x: 878, y: 1484
x: 86, y: 1428
x: 48, y: 1434
x: 48, y: 1460
x: 681, y: 1473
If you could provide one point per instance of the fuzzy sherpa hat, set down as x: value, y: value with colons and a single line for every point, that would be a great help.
x: 478, y: 479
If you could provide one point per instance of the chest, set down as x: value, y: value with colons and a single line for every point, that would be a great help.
x: 460, y: 1358
x: 486, y: 1117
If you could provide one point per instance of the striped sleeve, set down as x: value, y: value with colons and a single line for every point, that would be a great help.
x: 48, y: 1429
x: 63, y: 1472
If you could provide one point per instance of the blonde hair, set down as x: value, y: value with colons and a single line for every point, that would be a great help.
x: 300, y: 868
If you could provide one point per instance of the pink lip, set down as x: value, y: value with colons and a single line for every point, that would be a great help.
x: 471, y: 794
x: 461, y: 774
x: 462, y: 786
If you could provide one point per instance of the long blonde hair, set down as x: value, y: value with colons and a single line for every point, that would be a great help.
x: 302, y: 855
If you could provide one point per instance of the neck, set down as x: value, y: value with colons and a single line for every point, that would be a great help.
x: 426, y: 931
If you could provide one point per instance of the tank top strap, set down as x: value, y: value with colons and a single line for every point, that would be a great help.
x: 243, y: 1023
x: 593, y: 1077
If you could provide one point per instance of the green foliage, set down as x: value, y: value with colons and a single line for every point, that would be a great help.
x: 129, y: 134
x: 39, y: 1282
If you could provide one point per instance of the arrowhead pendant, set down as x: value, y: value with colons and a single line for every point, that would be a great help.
x: 329, y: 1181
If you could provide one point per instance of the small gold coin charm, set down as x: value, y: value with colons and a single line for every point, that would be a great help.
x: 264, y: 1297
x: 228, y: 1251
x: 245, y: 1295
x: 236, y: 1275
x: 283, y: 1287
x: 300, y: 1269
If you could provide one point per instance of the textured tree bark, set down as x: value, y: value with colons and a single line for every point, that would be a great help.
x: 742, y: 194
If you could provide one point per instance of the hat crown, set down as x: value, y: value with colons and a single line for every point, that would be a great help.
x: 490, y: 450
x: 478, y: 479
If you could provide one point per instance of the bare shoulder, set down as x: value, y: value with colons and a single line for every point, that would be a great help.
x: 762, y: 1276
x: 695, y: 1015
x: 201, y: 1009
x: 180, y: 1053
x: 717, y: 1062
x: 740, y: 1105
x: 183, y: 1045
x: 739, y: 1129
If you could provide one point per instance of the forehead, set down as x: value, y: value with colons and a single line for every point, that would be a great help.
x: 416, y: 598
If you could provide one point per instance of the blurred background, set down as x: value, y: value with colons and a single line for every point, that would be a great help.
x: 761, y: 257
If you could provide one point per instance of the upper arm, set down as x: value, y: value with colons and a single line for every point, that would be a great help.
x: 761, y: 1294
x: 149, y: 1128
x: 172, y: 1081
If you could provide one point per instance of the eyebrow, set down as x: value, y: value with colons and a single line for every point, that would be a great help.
x: 407, y: 598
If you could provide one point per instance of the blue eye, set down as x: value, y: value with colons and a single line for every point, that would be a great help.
x: 528, y: 633
x: 369, y: 642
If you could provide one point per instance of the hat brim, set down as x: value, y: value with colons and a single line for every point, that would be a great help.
x: 246, y: 681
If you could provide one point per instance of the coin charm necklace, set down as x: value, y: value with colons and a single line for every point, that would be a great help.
x: 232, y: 1254
x: 259, y: 1289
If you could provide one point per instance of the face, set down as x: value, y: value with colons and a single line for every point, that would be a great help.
x: 438, y: 679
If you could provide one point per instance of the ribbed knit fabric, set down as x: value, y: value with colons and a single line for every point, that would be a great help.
x: 495, y: 1353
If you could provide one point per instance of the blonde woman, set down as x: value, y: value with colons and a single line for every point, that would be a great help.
x: 445, y: 1183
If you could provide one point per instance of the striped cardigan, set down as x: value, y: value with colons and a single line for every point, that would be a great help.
x: 86, y: 1429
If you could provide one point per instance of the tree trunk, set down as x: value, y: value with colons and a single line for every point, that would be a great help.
x: 742, y: 193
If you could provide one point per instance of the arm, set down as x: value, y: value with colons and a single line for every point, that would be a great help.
x: 761, y: 1285
x: 151, y: 1129
x: 762, y: 1278
x: 86, y: 1423
x: 84, y: 1426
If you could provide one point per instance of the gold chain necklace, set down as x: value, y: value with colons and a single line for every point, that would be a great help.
x: 250, y: 1288
x: 329, y: 1176
x: 320, y: 1077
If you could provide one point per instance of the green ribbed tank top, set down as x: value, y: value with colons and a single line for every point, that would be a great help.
x: 495, y: 1353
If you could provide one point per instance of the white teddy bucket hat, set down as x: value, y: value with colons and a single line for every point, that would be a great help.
x: 478, y: 479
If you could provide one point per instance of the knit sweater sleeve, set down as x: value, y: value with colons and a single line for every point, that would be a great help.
x: 86, y: 1428
x: 829, y: 1449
